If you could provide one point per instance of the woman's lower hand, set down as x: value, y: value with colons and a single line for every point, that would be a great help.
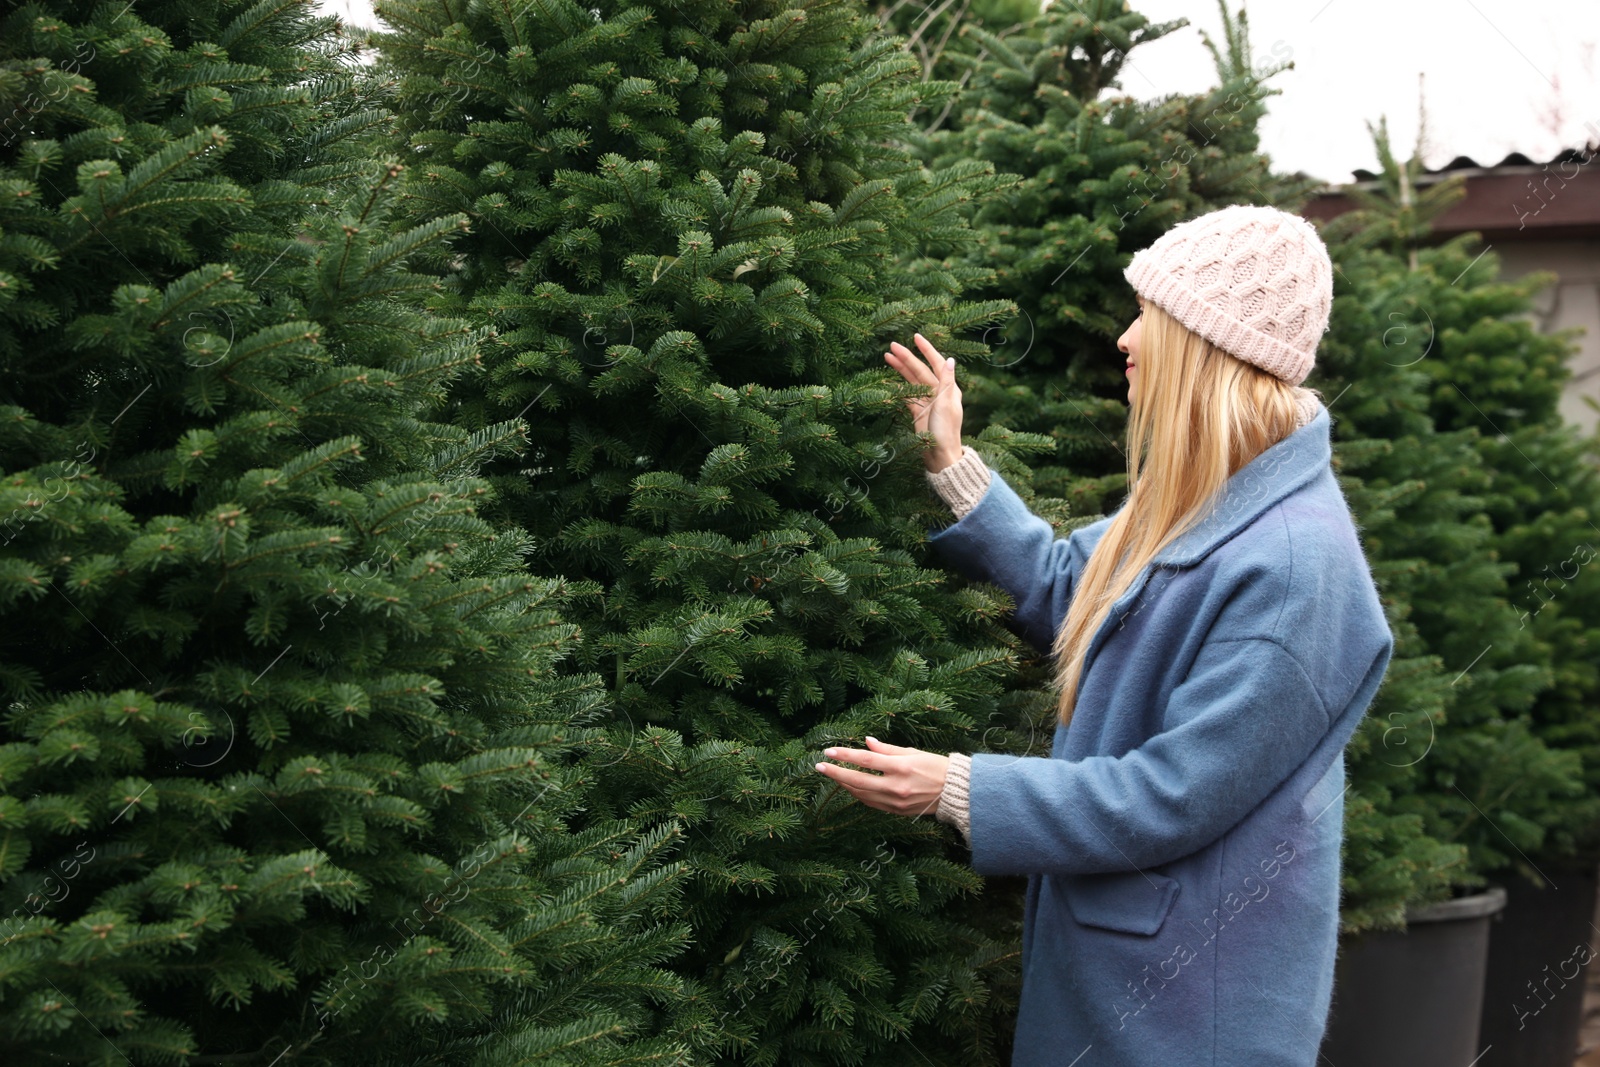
x: 939, y: 414
x: 911, y: 782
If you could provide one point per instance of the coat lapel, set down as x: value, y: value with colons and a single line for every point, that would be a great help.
x: 1255, y: 487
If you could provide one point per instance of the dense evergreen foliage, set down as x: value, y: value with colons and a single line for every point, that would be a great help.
x: 451, y: 500
x: 1512, y: 760
x: 695, y: 228
x: 286, y: 764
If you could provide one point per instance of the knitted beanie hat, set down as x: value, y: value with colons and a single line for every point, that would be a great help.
x: 1256, y: 282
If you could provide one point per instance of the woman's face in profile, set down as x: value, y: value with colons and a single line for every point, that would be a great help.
x: 1128, y: 343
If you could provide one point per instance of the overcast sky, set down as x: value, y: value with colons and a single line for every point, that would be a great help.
x: 1500, y: 75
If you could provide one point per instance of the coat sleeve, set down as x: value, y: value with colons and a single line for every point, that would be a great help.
x: 1238, y: 725
x: 1002, y: 542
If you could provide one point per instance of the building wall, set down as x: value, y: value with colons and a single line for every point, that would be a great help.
x: 1574, y: 300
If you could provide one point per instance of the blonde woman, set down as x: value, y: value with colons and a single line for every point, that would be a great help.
x: 1216, y: 642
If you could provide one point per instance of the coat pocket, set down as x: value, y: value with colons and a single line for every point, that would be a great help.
x: 1129, y: 902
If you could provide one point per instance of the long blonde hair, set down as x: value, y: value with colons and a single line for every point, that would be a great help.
x: 1199, y: 415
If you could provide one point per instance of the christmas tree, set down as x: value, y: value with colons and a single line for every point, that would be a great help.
x: 1451, y: 773
x: 695, y: 228
x: 288, y: 770
x: 1485, y: 375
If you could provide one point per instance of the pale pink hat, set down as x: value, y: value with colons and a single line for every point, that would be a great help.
x: 1256, y: 282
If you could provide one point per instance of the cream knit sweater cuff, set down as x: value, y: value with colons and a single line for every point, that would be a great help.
x: 953, y: 801
x: 963, y: 483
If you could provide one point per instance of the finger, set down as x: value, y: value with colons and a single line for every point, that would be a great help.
x: 912, y: 368
x: 947, y: 380
x: 862, y: 784
x: 883, y: 746
x: 900, y: 365
x: 908, y: 358
x: 945, y: 371
x: 854, y: 756
x: 935, y: 360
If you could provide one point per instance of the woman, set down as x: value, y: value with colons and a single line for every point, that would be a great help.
x: 1216, y: 641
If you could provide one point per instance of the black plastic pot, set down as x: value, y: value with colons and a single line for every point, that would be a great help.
x: 1538, y: 955
x: 1413, y: 998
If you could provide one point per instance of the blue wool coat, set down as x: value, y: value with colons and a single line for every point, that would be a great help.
x: 1181, y: 839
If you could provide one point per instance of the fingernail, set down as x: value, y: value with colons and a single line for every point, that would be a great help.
x: 821, y: 766
x: 874, y: 740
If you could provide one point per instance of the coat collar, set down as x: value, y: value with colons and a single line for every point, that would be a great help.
x: 1255, y: 487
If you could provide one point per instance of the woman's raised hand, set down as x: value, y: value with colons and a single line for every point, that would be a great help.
x: 939, y: 414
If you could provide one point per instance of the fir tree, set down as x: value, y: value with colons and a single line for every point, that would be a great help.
x: 937, y: 32
x: 695, y: 228
x: 1485, y: 373
x: 288, y: 773
x: 1452, y: 752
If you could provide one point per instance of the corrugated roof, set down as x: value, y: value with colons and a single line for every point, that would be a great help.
x: 1516, y: 199
x: 1513, y: 159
